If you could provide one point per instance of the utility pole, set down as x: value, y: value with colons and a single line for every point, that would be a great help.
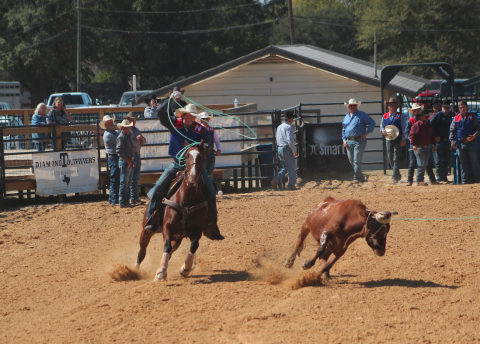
x: 79, y: 49
x: 292, y: 27
x: 375, y: 42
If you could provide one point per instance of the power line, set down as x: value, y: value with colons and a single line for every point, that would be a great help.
x: 386, y: 29
x: 169, y: 12
x: 38, y: 43
x: 179, y: 32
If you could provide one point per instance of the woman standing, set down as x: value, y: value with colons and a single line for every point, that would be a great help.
x: 39, y: 118
x: 61, y: 116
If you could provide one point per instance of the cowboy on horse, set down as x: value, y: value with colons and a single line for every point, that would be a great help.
x: 182, y: 127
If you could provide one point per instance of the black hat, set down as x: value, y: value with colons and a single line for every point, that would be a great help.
x: 151, y: 97
x: 177, y: 89
x: 424, y: 112
x: 289, y: 114
x: 436, y: 102
x: 446, y: 103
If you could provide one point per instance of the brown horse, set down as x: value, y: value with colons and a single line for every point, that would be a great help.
x: 185, y: 216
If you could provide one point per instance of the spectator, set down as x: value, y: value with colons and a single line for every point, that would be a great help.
x: 447, y: 109
x: 286, y: 153
x: 205, y: 118
x: 354, y: 136
x: 421, y: 136
x: 465, y: 130
x: 40, y: 118
x: 138, y: 140
x: 126, y: 162
x: 441, y: 129
x: 60, y: 116
x: 110, y: 140
x: 412, y: 158
x: 152, y: 106
x: 394, y: 150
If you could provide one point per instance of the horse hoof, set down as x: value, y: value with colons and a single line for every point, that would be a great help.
x: 185, y: 272
x: 325, y: 275
x: 160, y: 276
x: 288, y: 264
x: 305, y: 266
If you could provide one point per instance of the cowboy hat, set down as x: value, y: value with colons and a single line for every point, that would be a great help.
x: 205, y: 115
x: 352, y: 102
x: 125, y: 123
x: 436, y: 102
x: 105, y: 119
x: 415, y: 106
x: 392, y: 132
x: 130, y: 116
x: 425, y: 112
x: 392, y: 100
x: 190, y: 108
x: 151, y: 97
x: 177, y: 89
x: 446, y: 103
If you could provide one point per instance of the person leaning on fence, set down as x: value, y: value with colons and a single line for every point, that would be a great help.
x: 204, y: 118
x: 152, y: 106
x: 421, y: 137
x: 394, y: 147
x: 110, y: 140
x: 465, y: 130
x: 40, y: 118
x: 412, y: 158
x: 441, y: 122
x: 60, y: 116
x: 354, y: 136
x: 126, y: 162
x: 286, y: 153
x: 181, y: 127
x: 138, y: 140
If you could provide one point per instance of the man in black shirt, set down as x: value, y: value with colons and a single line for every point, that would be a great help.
x: 441, y: 129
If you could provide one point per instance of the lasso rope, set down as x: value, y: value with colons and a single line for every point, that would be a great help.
x: 181, y: 153
x: 441, y: 219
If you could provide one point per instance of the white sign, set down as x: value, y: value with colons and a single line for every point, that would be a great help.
x: 147, y: 126
x: 59, y: 173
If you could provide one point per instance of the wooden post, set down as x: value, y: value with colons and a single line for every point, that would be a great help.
x: 242, y: 174
x: 235, y: 182
x: 26, y: 121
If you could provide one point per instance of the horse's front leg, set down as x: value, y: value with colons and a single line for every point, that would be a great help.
x: 190, y: 262
x: 161, y: 273
x: 144, y: 241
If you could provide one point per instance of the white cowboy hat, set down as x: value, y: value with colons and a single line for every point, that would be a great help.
x: 392, y: 132
x: 205, y: 115
x: 352, y: 102
x: 415, y: 106
x: 190, y: 108
x: 105, y: 119
x: 125, y: 123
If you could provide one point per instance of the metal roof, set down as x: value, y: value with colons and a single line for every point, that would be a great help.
x: 327, y: 60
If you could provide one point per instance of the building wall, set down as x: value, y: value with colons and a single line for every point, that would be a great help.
x: 283, y: 84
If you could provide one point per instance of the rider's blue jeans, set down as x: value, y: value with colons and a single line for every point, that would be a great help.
x: 163, y: 183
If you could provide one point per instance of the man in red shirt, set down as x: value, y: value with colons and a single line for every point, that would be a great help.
x: 421, y: 136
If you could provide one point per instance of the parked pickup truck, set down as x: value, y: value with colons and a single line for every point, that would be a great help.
x: 71, y: 99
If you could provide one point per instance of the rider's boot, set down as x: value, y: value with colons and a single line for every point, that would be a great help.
x: 157, y: 216
x: 211, y: 229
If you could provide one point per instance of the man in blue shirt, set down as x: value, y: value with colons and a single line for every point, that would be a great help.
x: 354, y: 136
x: 394, y: 147
x: 286, y: 153
x: 110, y: 140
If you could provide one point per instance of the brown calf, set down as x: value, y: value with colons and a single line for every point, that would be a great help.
x: 335, y: 224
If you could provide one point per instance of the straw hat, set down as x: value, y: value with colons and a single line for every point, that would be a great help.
x: 105, y: 119
x: 125, y: 123
x: 352, y: 102
x: 415, y: 106
x: 392, y: 132
x: 190, y: 108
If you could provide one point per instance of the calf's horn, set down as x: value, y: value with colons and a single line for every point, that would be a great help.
x: 394, y: 212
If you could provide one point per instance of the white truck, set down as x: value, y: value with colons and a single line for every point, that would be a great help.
x: 71, y: 99
x: 10, y: 93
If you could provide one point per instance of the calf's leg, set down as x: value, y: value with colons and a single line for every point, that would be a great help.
x: 297, y: 249
x: 320, y: 252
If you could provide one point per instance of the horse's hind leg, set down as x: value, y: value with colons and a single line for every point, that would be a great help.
x: 297, y: 249
x: 190, y: 262
x: 144, y: 241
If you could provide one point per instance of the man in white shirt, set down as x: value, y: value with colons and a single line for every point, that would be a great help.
x: 286, y: 153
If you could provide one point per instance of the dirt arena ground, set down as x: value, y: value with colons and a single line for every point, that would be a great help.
x: 56, y: 288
